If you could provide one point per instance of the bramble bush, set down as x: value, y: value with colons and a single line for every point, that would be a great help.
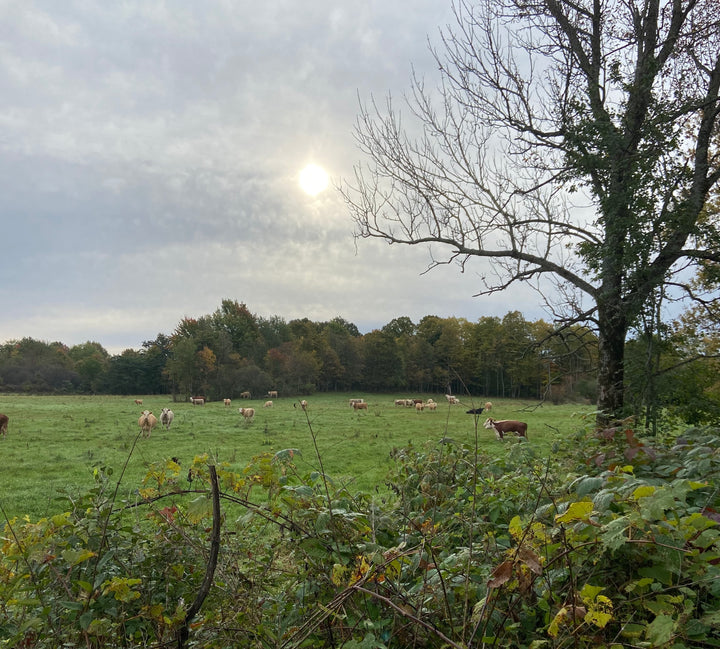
x: 610, y: 542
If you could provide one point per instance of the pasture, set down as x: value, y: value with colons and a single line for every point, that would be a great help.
x: 55, y: 442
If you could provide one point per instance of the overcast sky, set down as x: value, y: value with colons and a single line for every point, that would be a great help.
x: 149, y: 162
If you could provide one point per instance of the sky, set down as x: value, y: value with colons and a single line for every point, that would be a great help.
x: 150, y: 153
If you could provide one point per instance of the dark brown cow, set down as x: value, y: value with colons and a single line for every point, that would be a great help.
x: 506, y: 426
x: 3, y: 424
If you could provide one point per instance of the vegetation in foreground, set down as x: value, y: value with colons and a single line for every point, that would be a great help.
x: 613, y: 545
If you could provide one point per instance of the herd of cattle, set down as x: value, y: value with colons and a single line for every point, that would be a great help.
x: 148, y: 420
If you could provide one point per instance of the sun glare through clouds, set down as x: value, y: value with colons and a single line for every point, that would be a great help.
x: 313, y: 179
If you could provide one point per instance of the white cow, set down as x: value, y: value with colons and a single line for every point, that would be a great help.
x: 166, y: 418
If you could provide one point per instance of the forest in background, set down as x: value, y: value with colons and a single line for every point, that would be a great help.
x: 233, y: 350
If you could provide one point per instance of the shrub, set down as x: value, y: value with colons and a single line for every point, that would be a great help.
x: 609, y: 542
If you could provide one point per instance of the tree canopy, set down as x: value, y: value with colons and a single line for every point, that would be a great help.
x: 573, y: 143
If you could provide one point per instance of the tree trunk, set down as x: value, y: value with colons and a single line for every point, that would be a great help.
x: 611, y: 350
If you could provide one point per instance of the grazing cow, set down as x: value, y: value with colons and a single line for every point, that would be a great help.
x: 506, y: 426
x: 398, y: 402
x: 268, y: 404
x: 138, y: 402
x: 197, y: 401
x: 419, y: 406
x: 227, y: 402
x: 3, y: 424
x: 409, y: 403
x: 166, y: 418
x: 354, y: 401
x: 475, y: 411
x: 245, y: 395
x: 431, y: 405
x: 248, y: 413
x: 147, y: 422
x: 272, y: 394
x: 360, y: 406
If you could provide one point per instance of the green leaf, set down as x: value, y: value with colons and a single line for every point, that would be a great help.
x: 613, y: 534
x: 660, y: 630
x: 588, y: 484
x: 74, y: 557
x: 199, y: 508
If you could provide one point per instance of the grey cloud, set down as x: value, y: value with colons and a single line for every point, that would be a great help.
x: 149, y: 154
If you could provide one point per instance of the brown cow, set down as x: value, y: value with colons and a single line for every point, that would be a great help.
x: 506, y: 426
x: 245, y: 395
x: 360, y: 406
x: 272, y: 394
x: 4, y: 424
x: 138, y: 402
x: 248, y: 413
x: 147, y: 422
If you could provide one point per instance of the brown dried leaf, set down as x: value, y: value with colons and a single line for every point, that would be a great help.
x: 501, y: 574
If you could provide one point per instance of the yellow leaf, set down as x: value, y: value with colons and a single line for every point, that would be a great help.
x: 554, y: 627
x: 643, y: 492
x: 579, y: 511
x: 339, y: 574
x: 515, y: 527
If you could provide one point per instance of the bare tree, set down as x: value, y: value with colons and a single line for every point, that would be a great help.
x: 573, y: 142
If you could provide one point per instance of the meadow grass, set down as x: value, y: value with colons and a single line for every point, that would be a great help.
x: 55, y: 442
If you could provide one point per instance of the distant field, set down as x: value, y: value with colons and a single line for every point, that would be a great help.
x: 54, y: 442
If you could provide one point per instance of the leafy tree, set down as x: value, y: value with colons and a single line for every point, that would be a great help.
x: 250, y: 377
x: 235, y: 319
x: 181, y: 368
x: 419, y: 364
x: 157, y: 352
x: 274, y: 331
x: 344, y: 340
x: 91, y: 362
x: 339, y: 324
x: 206, y: 365
x: 383, y: 367
x: 485, y: 344
x: 38, y: 366
x: 543, y: 103
x: 127, y: 374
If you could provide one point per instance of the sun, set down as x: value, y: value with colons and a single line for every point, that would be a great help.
x: 313, y: 179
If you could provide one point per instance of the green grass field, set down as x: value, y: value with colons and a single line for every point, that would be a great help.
x: 54, y: 442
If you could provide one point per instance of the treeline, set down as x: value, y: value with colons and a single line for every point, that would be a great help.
x: 233, y: 350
